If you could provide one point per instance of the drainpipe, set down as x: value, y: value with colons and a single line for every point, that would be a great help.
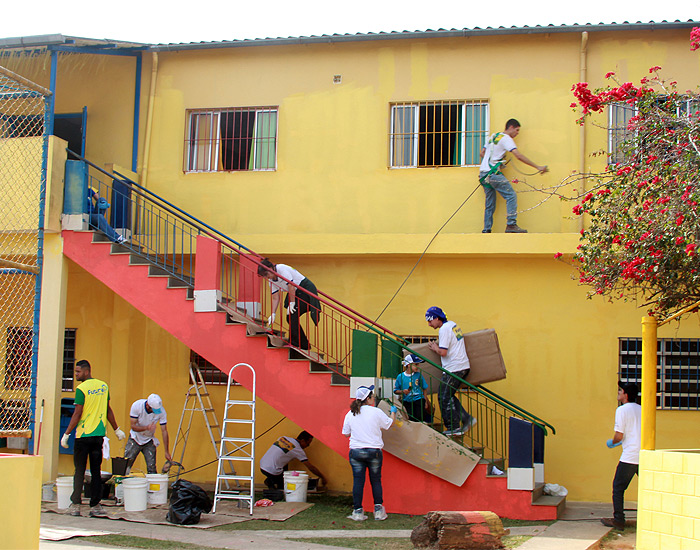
x: 149, y: 118
x: 583, y: 75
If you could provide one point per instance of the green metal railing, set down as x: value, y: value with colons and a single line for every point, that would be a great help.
x: 166, y: 236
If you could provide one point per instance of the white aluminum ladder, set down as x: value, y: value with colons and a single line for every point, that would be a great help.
x: 197, y: 399
x: 237, y: 446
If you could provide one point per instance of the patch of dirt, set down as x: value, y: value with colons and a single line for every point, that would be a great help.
x: 616, y: 540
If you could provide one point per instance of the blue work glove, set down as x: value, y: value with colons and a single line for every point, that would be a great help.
x: 610, y: 443
x: 393, y: 409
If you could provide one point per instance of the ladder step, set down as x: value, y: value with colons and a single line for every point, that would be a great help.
x: 239, y: 402
x: 236, y: 421
x: 237, y: 458
x: 239, y: 478
x: 238, y: 439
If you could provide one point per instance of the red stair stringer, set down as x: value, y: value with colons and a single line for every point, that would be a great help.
x: 306, y: 399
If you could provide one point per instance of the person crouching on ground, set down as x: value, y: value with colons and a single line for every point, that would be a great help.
x: 363, y: 424
x: 274, y: 462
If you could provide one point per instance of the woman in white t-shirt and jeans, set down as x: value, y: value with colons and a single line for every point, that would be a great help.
x: 363, y: 424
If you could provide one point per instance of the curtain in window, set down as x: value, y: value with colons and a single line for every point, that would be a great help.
x: 403, y: 119
x: 475, y: 131
x: 203, y: 155
x: 265, y: 133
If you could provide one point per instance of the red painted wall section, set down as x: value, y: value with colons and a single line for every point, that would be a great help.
x: 307, y: 399
x: 248, y: 280
x: 207, y: 268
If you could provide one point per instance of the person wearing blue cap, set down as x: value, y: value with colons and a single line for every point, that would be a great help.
x: 363, y: 424
x: 413, y: 390
x: 450, y: 347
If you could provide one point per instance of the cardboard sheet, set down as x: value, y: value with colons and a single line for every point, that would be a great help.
x: 65, y: 533
x: 484, y: 354
x: 427, y: 449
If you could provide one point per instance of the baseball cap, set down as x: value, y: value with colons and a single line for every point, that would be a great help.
x: 435, y: 312
x: 411, y: 358
x: 155, y: 402
x: 363, y: 392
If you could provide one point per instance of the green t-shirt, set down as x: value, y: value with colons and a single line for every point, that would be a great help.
x: 93, y: 395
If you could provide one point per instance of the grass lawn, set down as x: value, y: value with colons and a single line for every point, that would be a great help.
x: 126, y: 541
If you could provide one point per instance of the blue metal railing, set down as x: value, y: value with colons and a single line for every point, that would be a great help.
x: 166, y: 235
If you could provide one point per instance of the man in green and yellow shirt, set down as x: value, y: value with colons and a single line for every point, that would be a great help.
x: 92, y: 412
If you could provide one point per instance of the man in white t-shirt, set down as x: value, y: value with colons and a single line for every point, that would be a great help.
x: 145, y: 416
x: 493, y: 180
x: 450, y: 347
x: 274, y: 462
x: 628, y: 433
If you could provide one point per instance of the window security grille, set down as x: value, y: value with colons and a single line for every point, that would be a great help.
x: 437, y: 133
x: 68, y: 359
x: 235, y: 139
x: 677, y: 371
x: 210, y: 373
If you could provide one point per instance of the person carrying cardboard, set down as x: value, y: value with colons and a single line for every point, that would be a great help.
x: 450, y: 347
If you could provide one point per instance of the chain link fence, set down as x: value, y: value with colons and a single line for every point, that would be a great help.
x: 23, y: 146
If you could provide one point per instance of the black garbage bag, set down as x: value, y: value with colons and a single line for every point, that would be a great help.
x: 187, y: 502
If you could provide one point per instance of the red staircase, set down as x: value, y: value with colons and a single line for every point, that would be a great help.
x: 407, y: 489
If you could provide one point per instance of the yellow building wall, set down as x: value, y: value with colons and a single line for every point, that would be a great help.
x: 332, y: 174
x: 21, y: 486
x: 669, y: 500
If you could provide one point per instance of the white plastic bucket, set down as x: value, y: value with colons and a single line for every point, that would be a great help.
x: 64, y: 489
x: 295, y: 486
x: 135, y: 493
x: 157, y: 489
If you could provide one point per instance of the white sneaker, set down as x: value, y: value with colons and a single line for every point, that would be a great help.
x: 357, y: 515
x: 379, y: 512
x: 471, y: 424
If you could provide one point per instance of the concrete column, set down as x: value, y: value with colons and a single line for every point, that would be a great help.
x: 649, y: 343
x: 52, y: 326
x: 207, y: 275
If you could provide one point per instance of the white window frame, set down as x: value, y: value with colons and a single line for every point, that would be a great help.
x: 211, y: 143
x: 462, y: 131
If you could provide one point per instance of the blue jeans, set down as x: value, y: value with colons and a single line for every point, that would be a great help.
x: 101, y: 223
x: 361, y: 460
x: 451, y: 407
x: 498, y: 182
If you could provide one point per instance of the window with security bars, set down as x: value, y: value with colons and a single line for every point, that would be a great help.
x: 234, y: 139
x: 18, y: 358
x: 437, y: 133
x: 68, y: 359
x: 677, y: 371
x: 619, y: 116
x: 210, y: 373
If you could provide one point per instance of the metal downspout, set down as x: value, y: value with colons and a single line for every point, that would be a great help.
x: 582, y: 77
x: 137, y: 113
x: 649, y: 344
x: 149, y: 119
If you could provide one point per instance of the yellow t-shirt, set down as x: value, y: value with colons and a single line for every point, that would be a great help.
x: 93, y: 395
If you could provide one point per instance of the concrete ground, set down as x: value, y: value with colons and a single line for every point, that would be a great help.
x: 578, y: 529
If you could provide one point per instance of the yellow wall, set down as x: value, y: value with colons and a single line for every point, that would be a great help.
x: 669, y: 500
x: 336, y: 212
x: 21, y: 486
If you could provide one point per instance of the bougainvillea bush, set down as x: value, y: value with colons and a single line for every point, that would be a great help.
x: 642, y: 240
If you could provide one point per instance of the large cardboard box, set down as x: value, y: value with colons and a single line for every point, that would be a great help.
x: 484, y: 354
x: 420, y: 445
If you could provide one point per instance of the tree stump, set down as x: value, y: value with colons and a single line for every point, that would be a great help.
x: 459, y: 531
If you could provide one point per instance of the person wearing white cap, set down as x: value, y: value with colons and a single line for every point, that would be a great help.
x: 363, y: 424
x: 412, y: 388
x: 145, y: 415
